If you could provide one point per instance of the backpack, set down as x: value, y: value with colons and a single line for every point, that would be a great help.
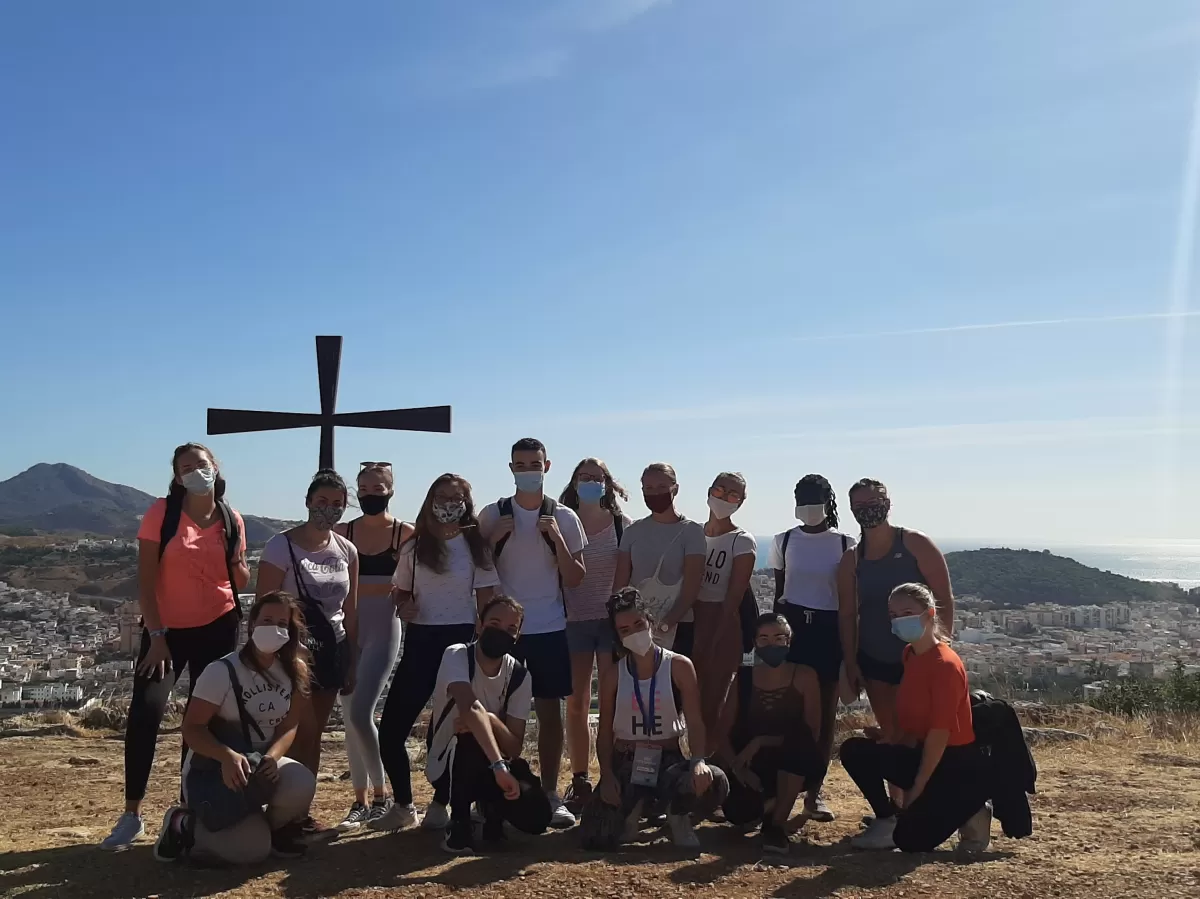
x: 787, y: 535
x: 515, y: 680
x: 506, y: 511
x: 999, y: 733
x: 233, y: 536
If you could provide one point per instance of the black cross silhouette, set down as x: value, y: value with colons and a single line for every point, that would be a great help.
x: 329, y: 361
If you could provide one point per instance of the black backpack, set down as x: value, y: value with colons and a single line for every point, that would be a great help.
x: 506, y: 511
x: 1013, y: 770
x: 515, y: 680
x: 233, y: 536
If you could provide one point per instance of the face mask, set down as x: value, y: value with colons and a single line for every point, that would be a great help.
x: 910, y: 628
x: 721, y: 508
x: 590, y: 491
x: 639, y: 643
x: 269, y: 638
x: 529, y: 481
x: 449, y: 513
x: 772, y: 656
x: 658, y: 502
x: 199, y: 480
x: 810, y: 516
x: 495, y: 643
x: 374, y: 503
x: 873, y: 515
x: 325, y: 518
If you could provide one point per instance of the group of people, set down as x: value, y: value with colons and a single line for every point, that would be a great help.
x: 518, y: 606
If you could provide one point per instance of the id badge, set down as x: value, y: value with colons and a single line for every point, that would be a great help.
x: 646, y: 762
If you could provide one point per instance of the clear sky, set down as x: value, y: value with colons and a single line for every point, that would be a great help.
x: 943, y: 244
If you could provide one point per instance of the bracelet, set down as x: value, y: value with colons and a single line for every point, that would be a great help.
x: 161, y: 632
x: 692, y: 763
x: 499, y: 765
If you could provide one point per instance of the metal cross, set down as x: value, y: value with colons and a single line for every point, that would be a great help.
x: 329, y: 359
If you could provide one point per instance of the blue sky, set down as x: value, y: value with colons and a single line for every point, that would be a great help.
x: 752, y: 236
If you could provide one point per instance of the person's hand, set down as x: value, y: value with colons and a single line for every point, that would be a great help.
x: 548, y: 524
x: 854, y: 677
x: 157, y: 662
x: 509, y: 785
x: 504, y: 528
x: 351, y: 680
x: 610, y: 791
x: 702, y: 778
x: 746, y: 756
x: 405, y: 603
x: 268, y: 768
x: 235, y: 770
x: 913, y: 794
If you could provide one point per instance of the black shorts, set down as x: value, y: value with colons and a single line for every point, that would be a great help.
x: 330, y: 665
x: 885, y: 672
x: 548, y: 660
x: 816, y: 640
x: 685, y: 638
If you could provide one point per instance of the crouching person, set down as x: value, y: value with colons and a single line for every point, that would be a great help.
x: 935, y: 760
x: 244, y: 797
x: 770, y: 723
x: 480, y: 705
x: 645, y: 701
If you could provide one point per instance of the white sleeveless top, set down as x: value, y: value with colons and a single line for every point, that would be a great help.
x: 667, y: 722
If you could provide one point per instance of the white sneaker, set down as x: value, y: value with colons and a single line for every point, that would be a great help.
x: 397, y: 817
x: 355, y: 818
x: 436, y: 817
x: 878, y: 835
x: 682, y: 834
x: 128, y: 828
x: 560, y: 817
x: 976, y: 834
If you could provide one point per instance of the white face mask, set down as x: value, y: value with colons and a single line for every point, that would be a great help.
x: 199, y: 480
x: 269, y: 638
x: 639, y: 643
x: 810, y: 515
x: 721, y: 508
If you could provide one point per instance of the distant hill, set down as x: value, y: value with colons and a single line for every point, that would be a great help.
x: 59, y: 498
x: 1021, y: 576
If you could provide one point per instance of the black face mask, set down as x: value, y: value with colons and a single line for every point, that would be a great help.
x: 495, y: 643
x: 773, y: 656
x: 374, y: 503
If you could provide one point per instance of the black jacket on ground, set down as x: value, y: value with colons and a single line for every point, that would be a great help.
x: 1013, y: 770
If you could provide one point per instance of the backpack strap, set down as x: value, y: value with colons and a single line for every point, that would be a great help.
x: 247, y: 721
x: 514, y: 680
x: 505, y: 507
x: 350, y: 531
x: 619, y: 528
x: 170, y: 522
x: 787, y: 535
x: 547, y: 510
x: 233, y: 541
x: 845, y: 544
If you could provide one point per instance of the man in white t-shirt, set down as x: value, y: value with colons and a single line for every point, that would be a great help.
x: 538, y: 548
x: 480, y: 706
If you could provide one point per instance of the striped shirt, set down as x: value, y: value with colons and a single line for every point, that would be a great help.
x: 587, y: 601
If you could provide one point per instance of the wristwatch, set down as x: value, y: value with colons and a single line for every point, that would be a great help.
x: 160, y: 632
x: 499, y: 765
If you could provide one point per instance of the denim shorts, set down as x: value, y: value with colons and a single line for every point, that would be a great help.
x: 590, y: 636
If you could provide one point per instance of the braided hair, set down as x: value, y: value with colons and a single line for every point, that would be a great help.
x: 816, y: 482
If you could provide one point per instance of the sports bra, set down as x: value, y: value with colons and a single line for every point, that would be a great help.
x: 377, y: 568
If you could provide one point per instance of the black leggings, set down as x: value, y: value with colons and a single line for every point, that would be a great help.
x: 744, y: 805
x: 956, y: 791
x: 470, y: 780
x: 412, y: 686
x: 194, y: 647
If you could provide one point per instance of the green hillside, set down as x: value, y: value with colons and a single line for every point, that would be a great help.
x: 1021, y: 576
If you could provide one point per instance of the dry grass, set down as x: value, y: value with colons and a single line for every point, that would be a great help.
x: 1115, y: 817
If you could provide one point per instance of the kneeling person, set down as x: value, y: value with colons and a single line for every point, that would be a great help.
x: 480, y: 706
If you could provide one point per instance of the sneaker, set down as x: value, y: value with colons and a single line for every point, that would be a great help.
x: 493, y: 831
x: 976, y: 834
x: 682, y: 834
x: 560, y: 816
x: 436, y: 817
x: 878, y: 835
x: 355, y: 818
x: 633, y: 824
x: 578, y: 793
x: 174, y: 839
x: 287, y: 843
x: 774, y: 840
x: 460, y: 838
x: 312, y: 830
x: 389, y: 816
x: 815, y: 809
x: 129, y: 827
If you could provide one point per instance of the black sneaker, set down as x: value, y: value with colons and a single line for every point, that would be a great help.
x: 460, y: 839
x: 774, y: 840
x: 577, y: 795
x: 176, y: 836
x: 379, y: 808
x: 287, y: 842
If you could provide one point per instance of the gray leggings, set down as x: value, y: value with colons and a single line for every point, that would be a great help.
x: 378, y: 645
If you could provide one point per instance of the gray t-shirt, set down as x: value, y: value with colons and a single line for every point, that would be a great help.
x: 325, y: 574
x: 647, y: 540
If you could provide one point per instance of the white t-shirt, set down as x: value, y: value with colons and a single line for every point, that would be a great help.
x: 718, y: 564
x: 528, y: 569
x: 811, y: 570
x: 447, y: 598
x: 324, y: 574
x: 455, y: 669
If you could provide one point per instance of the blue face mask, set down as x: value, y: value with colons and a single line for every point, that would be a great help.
x: 529, y: 481
x: 590, y: 491
x: 910, y: 628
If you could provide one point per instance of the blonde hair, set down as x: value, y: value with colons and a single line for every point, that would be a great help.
x: 923, y: 596
x: 662, y: 468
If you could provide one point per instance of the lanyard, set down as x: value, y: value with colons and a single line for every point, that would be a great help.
x: 647, y: 715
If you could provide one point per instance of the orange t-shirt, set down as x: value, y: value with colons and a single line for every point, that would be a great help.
x: 934, y: 696
x: 193, y: 580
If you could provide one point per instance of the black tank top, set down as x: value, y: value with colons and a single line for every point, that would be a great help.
x: 379, y: 567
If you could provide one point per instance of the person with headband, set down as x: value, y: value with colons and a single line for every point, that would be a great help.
x: 191, y: 565
x: 319, y: 567
x: 538, y: 548
x: 931, y: 753
x: 594, y: 494
x: 244, y: 795
x: 806, y: 561
x: 377, y: 536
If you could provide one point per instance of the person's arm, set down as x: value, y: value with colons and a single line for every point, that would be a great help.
x: 931, y: 755
x: 683, y: 673
x: 725, y: 723
x: 350, y: 623
x: 809, y: 686
x: 624, y: 570
x: 158, y: 659
x: 270, y: 575
x: 402, y: 580
x: 777, y: 563
x: 510, y: 734
x: 693, y: 576
x: 610, y: 790
x: 285, y: 730
x: 472, y: 714
x: 570, y: 561
x: 847, y: 589
x: 213, y: 683
x: 740, y: 571
x: 241, y: 568
x: 937, y: 576
x: 483, y: 595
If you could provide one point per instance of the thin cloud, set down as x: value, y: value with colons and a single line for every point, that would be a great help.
x: 536, y: 67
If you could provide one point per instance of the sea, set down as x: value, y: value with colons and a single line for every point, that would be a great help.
x: 1175, y: 562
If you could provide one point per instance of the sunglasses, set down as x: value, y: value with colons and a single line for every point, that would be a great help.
x: 363, y: 466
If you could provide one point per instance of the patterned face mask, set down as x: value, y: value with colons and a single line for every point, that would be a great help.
x: 325, y: 518
x: 872, y: 515
x: 449, y: 513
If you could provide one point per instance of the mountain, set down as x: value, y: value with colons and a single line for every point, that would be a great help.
x: 57, y: 497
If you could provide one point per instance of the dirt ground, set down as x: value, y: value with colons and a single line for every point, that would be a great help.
x: 1115, y: 817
